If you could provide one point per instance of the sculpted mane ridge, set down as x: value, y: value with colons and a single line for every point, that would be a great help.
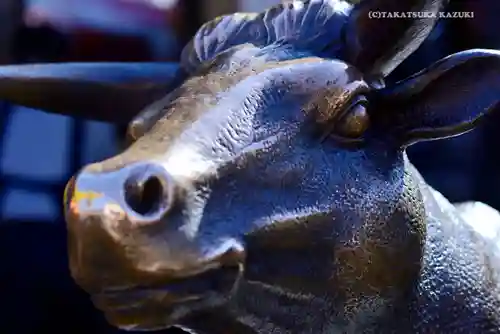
x: 312, y: 25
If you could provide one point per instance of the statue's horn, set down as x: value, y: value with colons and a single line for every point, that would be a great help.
x: 111, y: 92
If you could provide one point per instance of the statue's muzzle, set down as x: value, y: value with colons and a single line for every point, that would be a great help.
x: 128, y: 250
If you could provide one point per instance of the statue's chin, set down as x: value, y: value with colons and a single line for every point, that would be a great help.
x: 158, y: 307
x: 155, y: 312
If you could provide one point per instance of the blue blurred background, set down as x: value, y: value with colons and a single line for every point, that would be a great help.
x: 40, y: 151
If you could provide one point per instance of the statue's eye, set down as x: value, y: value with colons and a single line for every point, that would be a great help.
x: 345, y: 123
x: 354, y: 121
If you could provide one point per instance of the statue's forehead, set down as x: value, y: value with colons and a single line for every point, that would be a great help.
x: 238, y: 64
x: 230, y: 85
x: 196, y: 105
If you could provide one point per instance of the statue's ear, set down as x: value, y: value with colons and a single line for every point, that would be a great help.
x: 111, y: 92
x: 376, y: 41
x: 446, y: 99
x: 311, y: 25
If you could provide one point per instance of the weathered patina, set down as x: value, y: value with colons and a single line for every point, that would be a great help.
x: 268, y: 190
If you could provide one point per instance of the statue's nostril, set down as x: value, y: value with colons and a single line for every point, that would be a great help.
x: 145, y: 197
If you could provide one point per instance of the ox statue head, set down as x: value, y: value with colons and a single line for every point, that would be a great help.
x: 266, y: 186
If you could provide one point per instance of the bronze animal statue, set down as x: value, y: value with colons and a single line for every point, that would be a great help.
x: 267, y: 188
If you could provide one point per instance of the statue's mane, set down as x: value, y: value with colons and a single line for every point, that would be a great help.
x: 312, y: 25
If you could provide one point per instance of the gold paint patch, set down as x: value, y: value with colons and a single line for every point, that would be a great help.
x: 78, y: 196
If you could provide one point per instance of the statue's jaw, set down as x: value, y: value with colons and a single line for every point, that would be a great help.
x: 151, y: 308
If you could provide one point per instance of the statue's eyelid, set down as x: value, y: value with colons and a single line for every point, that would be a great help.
x: 357, y: 104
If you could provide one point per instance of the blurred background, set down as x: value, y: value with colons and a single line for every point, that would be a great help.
x: 40, y: 151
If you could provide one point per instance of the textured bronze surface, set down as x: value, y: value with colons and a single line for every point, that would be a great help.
x: 270, y: 192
